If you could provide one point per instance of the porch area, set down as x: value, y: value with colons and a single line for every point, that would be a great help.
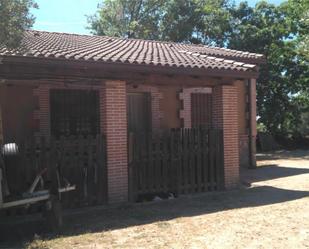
x: 120, y: 141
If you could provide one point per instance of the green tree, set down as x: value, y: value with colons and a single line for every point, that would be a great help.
x: 196, y: 21
x: 179, y: 19
x: 216, y: 22
x: 127, y: 18
x: 15, y: 17
x: 275, y: 32
x: 169, y: 20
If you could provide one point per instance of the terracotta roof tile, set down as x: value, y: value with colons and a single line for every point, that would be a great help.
x: 133, y: 51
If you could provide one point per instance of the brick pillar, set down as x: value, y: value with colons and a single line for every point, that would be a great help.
x: 225, y: 117
x: 115, y: 129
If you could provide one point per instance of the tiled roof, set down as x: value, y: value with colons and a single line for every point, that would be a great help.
x: 130, y: 51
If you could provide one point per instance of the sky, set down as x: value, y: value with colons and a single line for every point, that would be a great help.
x: 69, y: 16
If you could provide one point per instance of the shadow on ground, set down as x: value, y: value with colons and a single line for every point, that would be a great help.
x: 101, y: 219
x: 284, y: 154
x: 270, y: 172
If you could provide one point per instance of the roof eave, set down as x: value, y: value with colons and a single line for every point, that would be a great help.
x: 139, y: 68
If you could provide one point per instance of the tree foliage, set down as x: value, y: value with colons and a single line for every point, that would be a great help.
x: 127, y: 18
x: 281, y: 33
x: 169, y: 20
x: 275, y: 32
x: 15, y: 17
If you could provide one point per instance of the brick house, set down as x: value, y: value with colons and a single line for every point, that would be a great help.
x: 67, y: 84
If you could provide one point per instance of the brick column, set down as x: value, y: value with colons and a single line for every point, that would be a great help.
x: 114, y: 126
x: 225, y: 117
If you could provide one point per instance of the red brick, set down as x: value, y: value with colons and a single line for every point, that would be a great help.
x: 225, y: 117
x: 115, y: 126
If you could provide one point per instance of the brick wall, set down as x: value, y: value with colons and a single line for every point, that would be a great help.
x: 115, y: 128
x: 225, y: 117
x: 156, y: 96
x: 185, y: 97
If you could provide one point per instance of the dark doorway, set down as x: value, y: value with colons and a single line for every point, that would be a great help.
x: 139, y: 112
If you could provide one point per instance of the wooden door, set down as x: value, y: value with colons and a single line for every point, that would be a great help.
x: 139, y: 112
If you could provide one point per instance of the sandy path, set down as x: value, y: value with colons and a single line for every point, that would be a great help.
x: 273, y: 213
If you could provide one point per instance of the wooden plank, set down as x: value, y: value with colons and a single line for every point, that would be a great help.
x: 192, y: 163
x: 135, y: 168
x: 144, y: 161
x: 199, y: 160
x: 211, y: 160
x: 173, y: 174
x: 157, y: 165
x: 179, y: 164
x: 217, y: 159
x: 138, y: 164
x: 205, y: 157
x: 221, y: 160
x: 185, y: 161
x: 150, y: 162
x: 91, y: 181
x: 165, y: 181
x: 131, y: 166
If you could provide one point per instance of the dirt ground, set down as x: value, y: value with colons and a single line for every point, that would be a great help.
x: 272, y: 211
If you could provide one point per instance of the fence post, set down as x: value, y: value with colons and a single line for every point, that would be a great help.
x: 174, y: 172
x: 212, y: 148
x: 221, y: 160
